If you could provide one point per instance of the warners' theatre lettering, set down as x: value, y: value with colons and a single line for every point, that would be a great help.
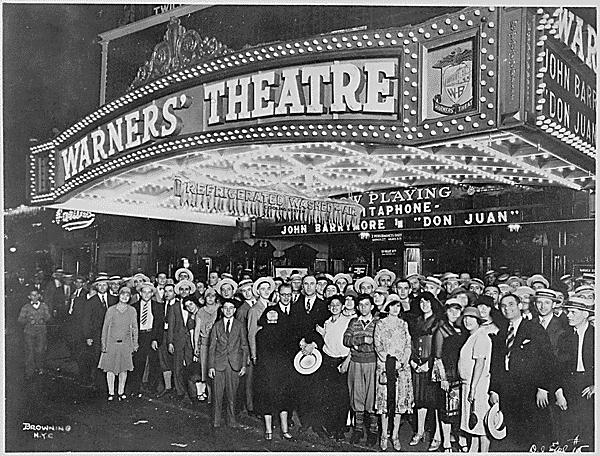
x: 125, y: 132
x: 343, y: 87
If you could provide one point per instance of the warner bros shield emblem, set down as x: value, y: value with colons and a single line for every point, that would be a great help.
x: 456, y: 83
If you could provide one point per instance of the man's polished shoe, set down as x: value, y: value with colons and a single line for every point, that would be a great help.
x: 164, y: 392
x: 356, y: 436
x: 321, y: 432
x: 371, y: 439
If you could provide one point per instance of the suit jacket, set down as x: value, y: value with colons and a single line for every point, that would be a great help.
x: 179, y: 335
x: 555, y: 330
x: 530, y: 365
x: 54, y: 297
x: 93, y: 319
x: 78, y: 312
x: 227, y: 349
x: 304, y: 323
x: 158, y: 321
x: 567, y: 356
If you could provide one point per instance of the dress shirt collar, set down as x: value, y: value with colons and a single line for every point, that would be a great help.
x: 366, y: 319
x: 516, y: 323
x: 581, y: 330
x: 545, y: 321
x: 36, y: 306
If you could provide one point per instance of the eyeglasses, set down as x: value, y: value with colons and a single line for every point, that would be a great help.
x: 285, y: 294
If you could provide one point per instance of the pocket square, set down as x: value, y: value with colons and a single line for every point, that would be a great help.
x: 525, y: 342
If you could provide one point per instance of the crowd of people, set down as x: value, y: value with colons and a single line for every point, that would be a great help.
x: 471, y: 364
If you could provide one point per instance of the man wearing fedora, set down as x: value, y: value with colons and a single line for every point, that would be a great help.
x: 227, y: 355
x: 521, y: 377
x: 93, y: 319
x: 150, y: 315
x: 575, y: 395
x: 178, y: 334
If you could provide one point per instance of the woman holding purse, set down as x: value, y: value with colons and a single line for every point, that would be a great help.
x: 447, y: 342
x: 426, y: 395
x: 394, y: 389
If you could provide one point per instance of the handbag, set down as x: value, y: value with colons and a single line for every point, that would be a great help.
x: 452, y: 401
x: 472, y: 416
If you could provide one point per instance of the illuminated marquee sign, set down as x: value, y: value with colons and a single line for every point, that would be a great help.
x: 242, y: 202
x: 125, y: 132
x: 570, y: 88
x: 73, y: 220
x: 341, y: 87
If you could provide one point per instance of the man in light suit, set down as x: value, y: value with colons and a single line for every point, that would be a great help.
x: 521, y: 377
x: 227, y: 355
x: 575, y: 395
x: 180, y: 322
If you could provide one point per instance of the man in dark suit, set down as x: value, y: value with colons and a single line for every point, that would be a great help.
x: 544, y: 300
x: 227, y: 356
x: 180, y: 322
x: 164, y: 357
x: 306, y: 314
x: 521, y: 377
x: 54, y: 297
x: 74, y: 320
x: 93, y: 319
x: 150, y: 315
x: 575, y: 395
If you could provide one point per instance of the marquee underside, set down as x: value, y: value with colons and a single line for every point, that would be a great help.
x: 321, y: 170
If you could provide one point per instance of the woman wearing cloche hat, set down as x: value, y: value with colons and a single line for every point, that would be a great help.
x: 394, y: 389
x: 474, y: 369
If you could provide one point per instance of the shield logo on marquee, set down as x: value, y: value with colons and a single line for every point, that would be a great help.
x: 456, y: 82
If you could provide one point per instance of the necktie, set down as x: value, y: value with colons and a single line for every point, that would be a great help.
x: 144, y: 314
x: 103, y: 301
x: 228, y: 326
x: 510, y: 338
x: 308, y: 305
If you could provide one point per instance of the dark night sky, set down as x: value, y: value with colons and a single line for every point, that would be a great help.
x: 51, y: 69
x: 51, y: 62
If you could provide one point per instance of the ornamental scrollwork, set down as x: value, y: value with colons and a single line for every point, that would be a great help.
x: 179, y: 49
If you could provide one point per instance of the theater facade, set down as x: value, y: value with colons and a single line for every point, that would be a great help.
x: 466, y: 141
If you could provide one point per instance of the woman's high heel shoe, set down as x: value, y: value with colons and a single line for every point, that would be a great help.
x: 416, y: 439
x: 383, y: 443
x: 268, y: 436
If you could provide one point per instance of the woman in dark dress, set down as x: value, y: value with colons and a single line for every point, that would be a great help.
x: 426, y: 394
x: 274, y: 374
x: 448, y: 339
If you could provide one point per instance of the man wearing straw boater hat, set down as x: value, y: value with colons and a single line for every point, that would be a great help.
x: 575, y: 395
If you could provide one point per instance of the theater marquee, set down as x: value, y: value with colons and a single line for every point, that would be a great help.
x: 343, y: 112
